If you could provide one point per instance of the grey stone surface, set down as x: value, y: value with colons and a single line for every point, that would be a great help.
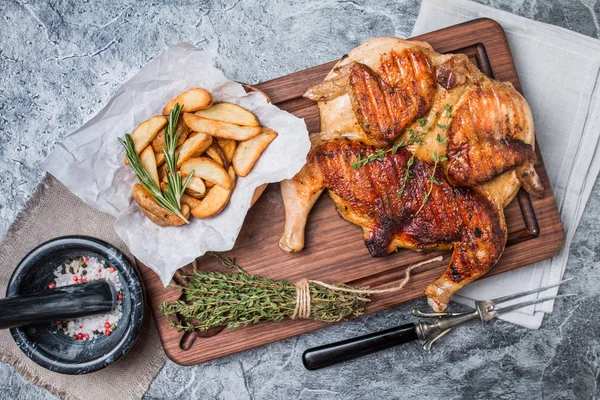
x: 60, y: 62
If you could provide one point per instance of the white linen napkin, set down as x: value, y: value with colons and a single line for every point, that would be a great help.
x: 559, y: 74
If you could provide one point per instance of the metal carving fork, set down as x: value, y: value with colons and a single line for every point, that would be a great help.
x: 485, y: 310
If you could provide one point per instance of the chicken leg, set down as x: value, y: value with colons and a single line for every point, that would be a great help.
x: 458, y: 218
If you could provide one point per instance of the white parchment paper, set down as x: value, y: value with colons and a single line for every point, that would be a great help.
x: 90, y: 161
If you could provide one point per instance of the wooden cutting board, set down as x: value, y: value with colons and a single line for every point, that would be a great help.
x: 334, y: 249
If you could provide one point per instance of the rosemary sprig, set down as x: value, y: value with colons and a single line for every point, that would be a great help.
x: 216, y: 299
x: 378, y: 155
x: 169, y: 199
x: 175, y: 187
x: 432, y: 181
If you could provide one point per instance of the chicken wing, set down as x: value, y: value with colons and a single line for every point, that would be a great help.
x: 385, y: 103
x: 485, y: 138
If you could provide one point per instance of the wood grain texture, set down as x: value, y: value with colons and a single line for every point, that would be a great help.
x: 335, y: 251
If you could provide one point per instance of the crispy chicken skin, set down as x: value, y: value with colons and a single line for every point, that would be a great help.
x: 461, y: 218
x: 490, y: 126
x: 385, y: 104
x: 439, y: 106
x: 484, y: 138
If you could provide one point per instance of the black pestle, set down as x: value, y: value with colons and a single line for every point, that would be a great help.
x: 58, y: 304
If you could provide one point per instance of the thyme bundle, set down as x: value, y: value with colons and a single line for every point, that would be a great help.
x: 216, y: 299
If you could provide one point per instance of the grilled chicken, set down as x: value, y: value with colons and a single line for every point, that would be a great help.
x: 483, y: 137
x: 466, y: 140
x: 490, y: 129
x: 385, y: 106
x: 458, y: 218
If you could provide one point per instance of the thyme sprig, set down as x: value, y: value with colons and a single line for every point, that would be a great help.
x: 435, y: 157
x: 447, y: 114
x: 432, y: 181
x: 216, y: 299
x: 416, y: 136
x: 170, y: 198
x: 378, y: 155
x: 407, y: 175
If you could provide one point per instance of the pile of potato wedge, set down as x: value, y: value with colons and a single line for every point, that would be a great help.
x: 219, y: 142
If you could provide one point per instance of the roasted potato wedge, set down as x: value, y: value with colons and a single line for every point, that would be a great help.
x: 156, y: 213
x: 208, y: 170
x: 229, y: 112
x: 191, y: 100
x: 220, y: 129
x: 216, y: 199
x: 190, y: 201
x: 189, y: 148
x: 162, y: 173
x: 218, y: 142
x: 186, y: 211
x: 160, y: 158
x: 228, y: 146
x: 196, y: 188
x: 149, y: 163
x: 249, y: 151
x: 158, y: 143
x: 216, y: 154
x: 146, y: 132
x: 195, y: 145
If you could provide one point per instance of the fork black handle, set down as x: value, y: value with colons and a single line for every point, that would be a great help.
x: 334, y: 353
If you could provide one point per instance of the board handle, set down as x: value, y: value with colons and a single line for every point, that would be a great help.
x: 334, y: 353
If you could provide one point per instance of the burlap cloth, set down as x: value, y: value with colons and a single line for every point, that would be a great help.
x: 54, y: 211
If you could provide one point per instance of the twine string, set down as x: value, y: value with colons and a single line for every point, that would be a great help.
x: 302, y: 310
x: 303, y: 298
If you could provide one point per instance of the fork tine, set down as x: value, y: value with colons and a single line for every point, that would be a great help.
x: 529, y: 303
x: 523, y: 294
